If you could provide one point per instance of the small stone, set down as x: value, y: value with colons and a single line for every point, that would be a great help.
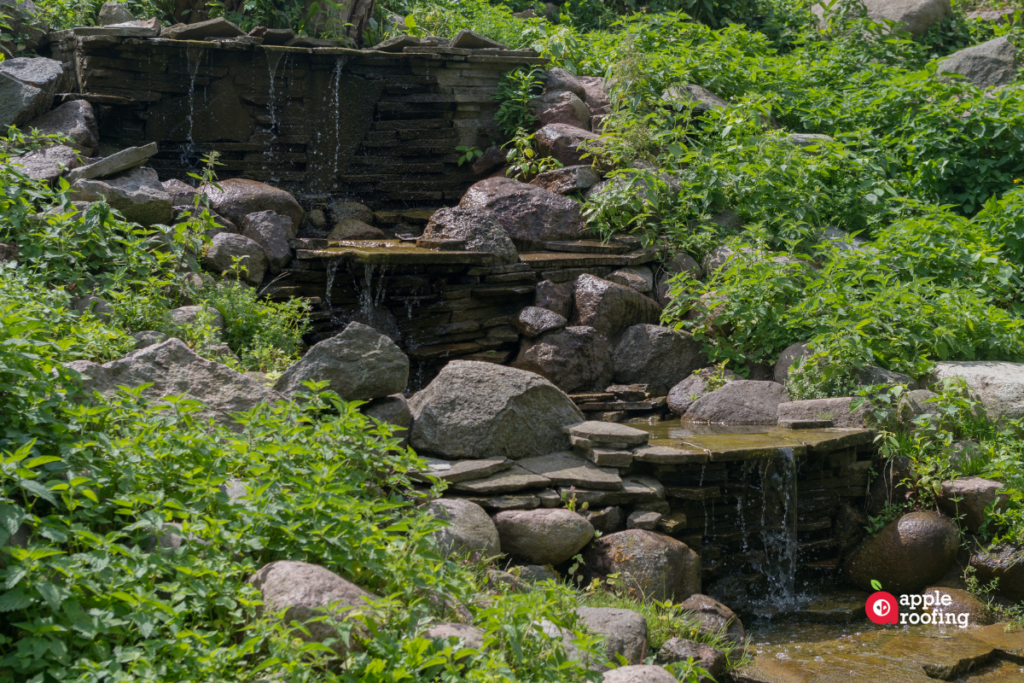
x: 147, y: 338
x: 469, y: 636
x: 682, y: 650
x: 641, y: 279
x: 113, y: 13
x: 471, y: 40
x: 607, y: 520
x: 609, y: 433
x: 715, y: 618
x: 352, y: 229
x: 533, y: 321
x: 608, y: 457
x: 187, y: 316
x: 643, y: 520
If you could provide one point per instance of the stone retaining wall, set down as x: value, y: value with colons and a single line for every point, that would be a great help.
x: 376, y: 127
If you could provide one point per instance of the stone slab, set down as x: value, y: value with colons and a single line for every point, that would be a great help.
x: 608, y: 432
x: 511, y: 502
x: 610, y: 457
x: 566, y: 469
x: 827, y: 440
x: 510, y: 480
x: 683, y: 454
x: 115, y: 163
x: 455, y: 471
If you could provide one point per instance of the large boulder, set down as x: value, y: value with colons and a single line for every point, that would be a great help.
x: 988, y: 65
x: 573, y: 359
x: 681, y: 650
x: 47, y: 163
x: 469, y: 529
x: 22, y: 19
x: 1004, y: 563
x: 907, y: 555
x: 562, y: 107
x: 610, y: 308
x: 74, y: 119
x: 136, y: 193
x: 272, y: 232
x: 789, y: 355
x: 534, y: 321
x: 171, y: 368
x: 567, y: 179
x: 359, y: 364
x: 959, y: 602
x: 651, y: 354
x: 112, y: 13
x: 568, y: 144
x: 228, y: 251
x: 969, y: 497
x: 554, y: 297
x: 624, y: 631
x: 701, y: 382
x: 650, y: 566
x: 305, y: 593
x: 913, y: 16
x: 595, y: 94
x: 482, y: 410
x: 559, y: 80
x: 393, y: 410
x: 999, y: 385
x: 27, y: 87
x: 236, y: 198
x: 530, y: 215
x: 835, y: 409
x: 478, y: 227
x: 740, y: 402
x: 543, y: 536
x: 714, y: 618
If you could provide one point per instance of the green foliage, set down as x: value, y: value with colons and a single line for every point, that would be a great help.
x: 524, y: 161
x: 516, y: 93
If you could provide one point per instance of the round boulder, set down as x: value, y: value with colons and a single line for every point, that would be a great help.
x: 624, y: 631
x: 682, y: 650
x: 469, y: 529
x: 715, y: 618
x: 478, y: 227
x: 639, y: 673
x: 960, y: 602
x: 653, y: 566
x: 543, y: 536
x: 558, y: 79
x: 610, y: 308
x: 562, y: 107
x: 651, y: 354
x: 305, y: 592
x: 529, y: 214
x: 568, y: 144
x: 226, y: 248
x: 740, y: 402
x: 682, y: 395
x: 573, y: 359
x: 1005, y: 563
x: 786, y: 359
x: 906, y: 555
x: 236, y: 198
x: 482, y: 410
x: 534, y: 321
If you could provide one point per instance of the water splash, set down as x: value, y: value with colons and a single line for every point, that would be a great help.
x: 332, y: 271
x: 779, y: 529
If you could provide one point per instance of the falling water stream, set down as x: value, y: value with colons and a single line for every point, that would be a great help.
x: 193, y: 55
x: 779, y: 529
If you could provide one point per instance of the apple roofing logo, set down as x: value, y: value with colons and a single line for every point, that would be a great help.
x: 882, y: 607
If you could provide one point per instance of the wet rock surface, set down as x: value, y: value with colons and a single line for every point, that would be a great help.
x: 911, y: 553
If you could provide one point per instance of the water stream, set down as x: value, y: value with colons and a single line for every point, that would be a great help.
x: 193, y: 56
x: 779, y: 529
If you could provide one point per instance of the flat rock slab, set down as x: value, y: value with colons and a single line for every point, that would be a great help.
x: 635, y: 489
x: 511, y: 502
x: 566, y: 469
x: 683, y: 454
x: 826, y: 440
x: 729, y: 447
x: 510, y: 480
x: 455, y: 471
x: 115, y: 163
x: 609, y: 432
x: 148, y: 28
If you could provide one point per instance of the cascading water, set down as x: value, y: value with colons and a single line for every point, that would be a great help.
x: 193, y: 56
x: 779, y: 529
x: 273, y: 59
x: 336, y: 112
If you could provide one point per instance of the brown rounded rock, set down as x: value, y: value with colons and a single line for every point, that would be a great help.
x: 543, y: 536
x: 567, y: 143
x: 968, y: 498
x: 530, y: 215
x: 1005, y: 563
x: 562, y: 107
x: 238, y: 197
x: 681, y: 650
x: 715, y: 618
x: 650, y: 565
x: 906, y: 555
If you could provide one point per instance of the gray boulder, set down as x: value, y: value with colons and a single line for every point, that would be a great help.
x: 529, y: 214
x: 595, y: 94
x: 968, y: 498
x: 74, y: 119
x: 359, y: 364
x: 562, y: 107
x: 171, y: 368
x: 998, y: 385
x: 482, y: 410
x: 236, y: 198
x: 543, y: 536
x: 226, y: 248
x: 790, y: 355
x: 677, y: 650
x: 554, y: 297
x: 272, y: 232
x: 640, y: 278
x: 96, y: 305
x: 624, y: 631
x: 305, y: 592
x: 988, y: 65
x: 137, y: 194
x: 394, y: 410
x: 740, y: 402
x: 567, y: 179
x: 470, y: 636
x: 694, y: 97
x: 682, y: 395
x: 835, y: 409
x: 909, y: 554
x: 651, y: 354
x: 611, y: 308
x: 651, y: 566
x: 568, y: 144
x: 187, y: 316
x: 147, y: 338
x: 125, y: 159
x: 340, y: 211
x: 47, y: 163
x: 27, y: 87
x: 469, y: 529
x: 353, y: 229
x: 573, y: 359
x: 714, y: 618
x: 558, y: 79
x: 533, y: 321
x: 913, y: 16
x: 478, y: 227
x: 639, y: 673
x: 113, y: 13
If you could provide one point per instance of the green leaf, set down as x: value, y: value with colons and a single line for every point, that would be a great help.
x: 876, y: 585
x: 14, y: 600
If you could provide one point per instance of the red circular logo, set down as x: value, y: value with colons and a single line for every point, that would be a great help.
x: 882, y: 608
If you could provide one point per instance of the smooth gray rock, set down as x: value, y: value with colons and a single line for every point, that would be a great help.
x: 136, y: 193
x: 998, y: 385
x: 340, y: 211
x: 457, y: 471
x: 715, y: 618
x: 640, y: 278
x: 482, y: 410
x: 47, y: 163
x: 478, y: 227
x: 698, y: 99
x: 172, y: 368
x: 200, y: 30
x: 786, y: 359
x: 140, y: 28
x: 113, y: 13
x: 566, y: 469
x: 469, y: 529
x: 639, y: 673
x: 574, y: 358
x: 655, y: 566
x: 74, y: 119
x: 611, y: 308
x: 643, y: 519
x: 682, y: 395
x: 533, y: 321
x: 115, y: 163
x: 837, y: 410
x: 651, y: 354
x: 988, y: 65
x: 544, y: 536
x: 359, y: 364
x: 508, y: 480
x: 567, y: 179
x: 470, y: 636
x: 562, y: 107
x: 272, y: 232
x: 187, y: 316
x: 913, y: 16
x: 568, y: 144
x: 529, y: 214
x: 624, y: 631
x: 226, y: 247
x: 352, y: 229
x: 870, y: 375
x: 596, y: 94
x: 147, y: 338
x: 27, y: 88
x: 558, y: 79
x: 608, y: 433
x: 911, y: 553
x: 238, y: 197
x: 740, y: 402
x: 305, y: 591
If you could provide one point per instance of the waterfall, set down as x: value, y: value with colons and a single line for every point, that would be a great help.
x: 273, y: 59
x: 193, y: 55
x: 779, y: 529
